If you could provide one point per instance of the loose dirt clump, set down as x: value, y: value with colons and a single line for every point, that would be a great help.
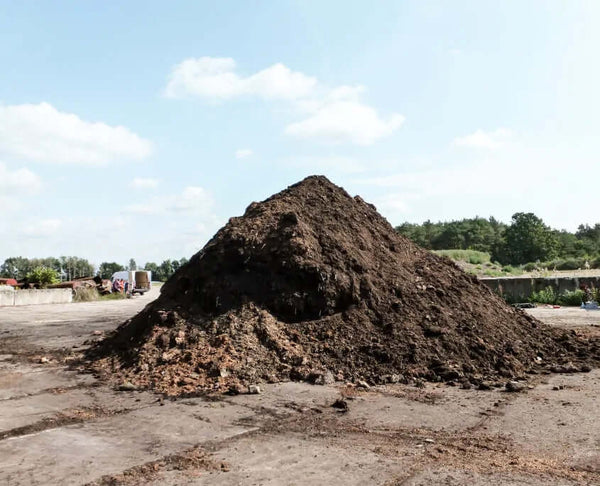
x: 313, y: 284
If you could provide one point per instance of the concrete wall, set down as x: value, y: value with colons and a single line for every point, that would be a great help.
x: 33, y: 297
x: 7, y: 296
x: 520, y: 288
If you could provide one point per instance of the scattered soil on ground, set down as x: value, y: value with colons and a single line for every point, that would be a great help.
x: 313, y: 284
x: 194, y: 459
x: 60, y: 419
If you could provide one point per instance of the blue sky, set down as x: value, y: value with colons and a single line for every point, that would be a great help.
x: 136, y: 129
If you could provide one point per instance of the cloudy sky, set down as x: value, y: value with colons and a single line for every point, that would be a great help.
x: 136, y: 129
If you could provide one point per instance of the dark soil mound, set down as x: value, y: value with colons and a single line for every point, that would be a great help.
x: 314, y: 284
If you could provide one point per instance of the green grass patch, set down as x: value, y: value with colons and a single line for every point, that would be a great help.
x: 470, y: 256
x: 115, y: 296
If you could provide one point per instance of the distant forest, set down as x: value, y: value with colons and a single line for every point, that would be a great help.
x: 526, y: 239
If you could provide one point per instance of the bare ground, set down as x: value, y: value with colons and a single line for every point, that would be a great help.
x: 59, y: 426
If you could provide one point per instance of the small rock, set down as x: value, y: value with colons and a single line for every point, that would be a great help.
x: 180, y: 338
x: 43, y: 360
x: 326, y: 378
x: 466, y: 385
x: 234, y: 390
x: 127, y: 386
x: 223, y: 373
x: 254, y: 390
x: 429, y: 441
x: 97, y: 333
x: 341, y: 405
x: 484, y: 386
x: 515, y: 386
x: 362, y: 384
x: 571, y: 368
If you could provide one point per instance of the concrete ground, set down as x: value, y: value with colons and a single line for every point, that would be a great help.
x: 59, y: 426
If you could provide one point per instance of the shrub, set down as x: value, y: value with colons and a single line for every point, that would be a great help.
x: 544, y: 296
x: 512, y: 270
x: 574, y: 297
x: 570, y: 264
x: 43, y: 276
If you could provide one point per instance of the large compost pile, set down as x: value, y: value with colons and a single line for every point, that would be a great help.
x: 313, y: 284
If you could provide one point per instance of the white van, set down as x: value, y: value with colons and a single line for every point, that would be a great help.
x: 139, y: 281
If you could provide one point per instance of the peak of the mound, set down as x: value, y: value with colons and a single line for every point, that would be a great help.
x: 309, y: 251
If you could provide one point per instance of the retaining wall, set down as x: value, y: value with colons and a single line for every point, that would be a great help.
x: 37, y: 296
x: 520, y: 288
x: 7, y: 297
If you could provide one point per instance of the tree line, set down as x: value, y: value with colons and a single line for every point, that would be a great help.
x: 526, y: 239
x: 161, y: 272
x: 71, y: 267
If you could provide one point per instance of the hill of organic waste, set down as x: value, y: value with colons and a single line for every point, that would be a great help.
x: 313, y: 284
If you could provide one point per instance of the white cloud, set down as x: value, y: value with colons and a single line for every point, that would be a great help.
x: 345, y: 121
x: 187, y: 220
x: 144, y: 183
x: 243, y: 153
x: 482, y: 139
x: 340, y: 116
x: 335, y: 115
x: 392, y: 203
x: 215, y: 78
x: 191, y: 200
x: 43, y: 228
x: 18, y: 182
x: 14, y: 184
x: 44, y: 134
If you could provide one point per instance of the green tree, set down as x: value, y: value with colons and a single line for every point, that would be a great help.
x: 15, y: 267
x: 588, y: 238
x: 132, y: 265
x: 528, y: 239
x: 74, y: 267
x: 152, y: 267
x: 106, y: 269
x: 43, y: 276
x: 165, y: 270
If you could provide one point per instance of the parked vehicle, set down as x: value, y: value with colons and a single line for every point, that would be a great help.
x: 138, y: 281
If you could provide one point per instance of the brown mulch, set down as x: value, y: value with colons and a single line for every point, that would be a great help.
x: 313, y: 284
